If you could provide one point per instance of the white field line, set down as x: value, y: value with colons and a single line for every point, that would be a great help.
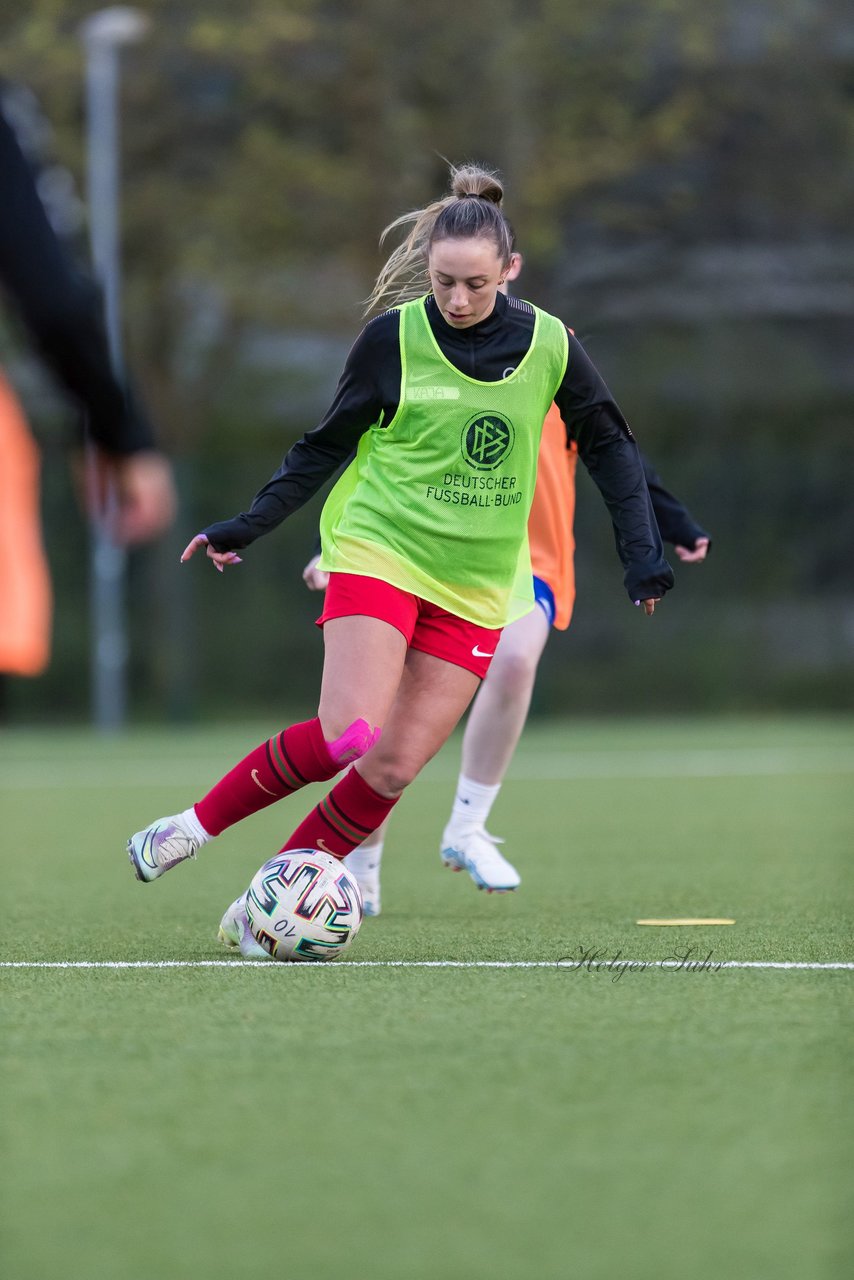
x: 604, y: 965
x: 558, y: 766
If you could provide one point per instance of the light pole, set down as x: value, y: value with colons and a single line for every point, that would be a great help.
x: 103, y: 34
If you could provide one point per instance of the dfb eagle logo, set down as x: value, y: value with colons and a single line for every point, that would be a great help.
x: 487, y: 440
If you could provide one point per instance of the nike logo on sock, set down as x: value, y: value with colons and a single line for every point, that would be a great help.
x: 478, y: 653
x: 259, y: 783
x: 321, y: 844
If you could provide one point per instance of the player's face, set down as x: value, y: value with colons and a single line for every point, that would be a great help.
x: 465, y: 275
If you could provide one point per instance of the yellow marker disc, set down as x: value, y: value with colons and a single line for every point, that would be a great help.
x: 686, y: 921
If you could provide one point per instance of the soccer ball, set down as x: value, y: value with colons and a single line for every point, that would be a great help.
x: 304, y: 905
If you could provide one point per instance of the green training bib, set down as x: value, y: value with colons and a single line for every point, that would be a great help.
x: 437, y: 502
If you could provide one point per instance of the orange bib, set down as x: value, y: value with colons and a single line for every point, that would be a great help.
x: 550, y: 524
x: 25, y: 595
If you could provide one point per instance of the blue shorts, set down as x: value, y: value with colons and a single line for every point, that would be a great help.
x: 545, y: 598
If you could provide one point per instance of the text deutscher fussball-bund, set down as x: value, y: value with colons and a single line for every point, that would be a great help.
x: 457, y: 490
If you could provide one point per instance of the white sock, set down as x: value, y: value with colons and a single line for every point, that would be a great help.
x: 472, y: 804
x: 190, y: 819
x: 365, y: 858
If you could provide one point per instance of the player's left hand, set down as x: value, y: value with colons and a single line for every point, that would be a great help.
x: 649, y: 605
x: 220, y: 558
x: 695, y: 554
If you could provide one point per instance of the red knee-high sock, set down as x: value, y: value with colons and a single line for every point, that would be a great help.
x: 343, y: 819
x: 275, y: 769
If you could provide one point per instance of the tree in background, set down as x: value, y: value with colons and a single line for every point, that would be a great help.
x: 679, y: 174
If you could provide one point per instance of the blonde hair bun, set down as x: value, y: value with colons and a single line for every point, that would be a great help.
x: 473, y: 208
x: 472, y: 180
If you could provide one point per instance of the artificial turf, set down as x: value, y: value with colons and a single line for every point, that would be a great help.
x: 439, y: 1123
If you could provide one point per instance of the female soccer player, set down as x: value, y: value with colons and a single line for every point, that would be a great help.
x: 424, y: 535
x: 500, y: 707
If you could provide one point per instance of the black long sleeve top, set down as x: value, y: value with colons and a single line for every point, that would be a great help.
x: 62, y: 308
x: 675, y: 522
x: 367, y: 395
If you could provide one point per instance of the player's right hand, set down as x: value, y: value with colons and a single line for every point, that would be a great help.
x: 220, y: 558
x: 145, y: 489
x: 132, y: 496
x: 315, y: 579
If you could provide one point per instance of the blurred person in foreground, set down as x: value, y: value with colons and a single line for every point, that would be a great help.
x: 128, y: 483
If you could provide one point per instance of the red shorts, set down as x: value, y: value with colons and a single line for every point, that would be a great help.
x: 425, y: 626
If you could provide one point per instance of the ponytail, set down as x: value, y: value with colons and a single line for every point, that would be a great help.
x: 473, y: 208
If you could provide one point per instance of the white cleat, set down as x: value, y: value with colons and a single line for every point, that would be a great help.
x: 160, y: 847
x: 234, y: 931
x: 364, y: 866
x: 476, y: 853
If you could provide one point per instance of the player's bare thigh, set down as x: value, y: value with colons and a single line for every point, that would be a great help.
x: 519, y: 650
x: 431, y: 697
x: 362, y: 667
